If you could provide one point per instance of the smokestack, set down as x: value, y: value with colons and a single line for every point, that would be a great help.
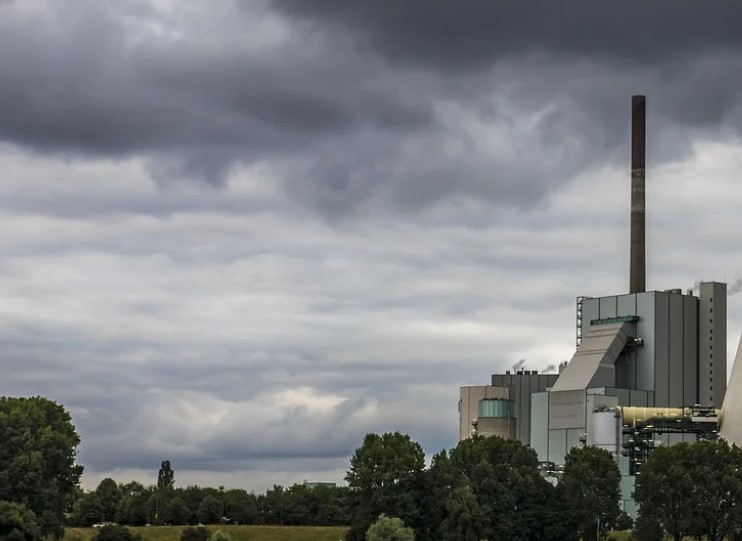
x: 637, y: 278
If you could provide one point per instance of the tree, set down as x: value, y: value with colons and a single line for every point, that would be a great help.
x: 240, y: 506
x: 133, y: 509
x: 510, y: 497
x: 17, y: 523
x: 210, y: 511
x: 592, y: 484
x: 665, y: 490
x: 109, y: 496
x: 716, y: 470
x: 178, y: 512
x: 465, y: 520
x: 88, y: 510
x: 389, y: 529
x: 165, y: 477
x: 385, y: 476
x: 116, y: 532
x: 37, y: 458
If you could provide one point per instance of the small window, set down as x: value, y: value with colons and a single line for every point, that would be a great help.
x: 711, y: 355
x: 711, y: 309
x: 711, y: 388
x: 711, y: 346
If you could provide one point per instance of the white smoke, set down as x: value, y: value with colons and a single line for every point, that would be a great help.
x: 735, y: 287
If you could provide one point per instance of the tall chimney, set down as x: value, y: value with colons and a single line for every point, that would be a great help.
x: 637, y: 278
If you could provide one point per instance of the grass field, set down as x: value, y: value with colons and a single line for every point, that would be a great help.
x: 237, y: 533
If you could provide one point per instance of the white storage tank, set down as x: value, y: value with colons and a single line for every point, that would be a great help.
x: 606, y: 430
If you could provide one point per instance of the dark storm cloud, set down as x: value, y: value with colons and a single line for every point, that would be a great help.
x: 358, y: 105
x: 472, y: 33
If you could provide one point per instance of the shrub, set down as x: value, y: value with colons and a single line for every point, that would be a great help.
x: 116, y: 532
x: 219, y: 536
x: 389, y: 529
x: 195, y: 534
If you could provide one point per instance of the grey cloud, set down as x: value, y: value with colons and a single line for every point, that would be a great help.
x: 473, y: 33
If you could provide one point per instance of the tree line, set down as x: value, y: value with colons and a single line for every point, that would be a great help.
x: 483, y: 488
x: 134, y: 504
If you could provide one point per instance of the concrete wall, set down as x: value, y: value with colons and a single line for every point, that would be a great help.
x: 469, y: 398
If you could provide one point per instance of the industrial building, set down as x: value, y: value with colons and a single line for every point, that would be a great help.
x: 649, y: 368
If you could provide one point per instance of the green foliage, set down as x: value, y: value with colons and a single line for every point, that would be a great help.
x: 385, y: 476
x: 177, y: 512
x: 219, y: 535
x: 389, y: 529
x: 624, y: 522
x: 133, y: 509
x: 693, y: 489
x: 210, y: 511
x: 109, y: 496
x: 88, y: 510
x: 165, y: 477
x: 647, y: 528
x: 17, y: 523
x: 195, y: 534
x: 592, y: 484
x: 37, y: 458
x: 116, y: 532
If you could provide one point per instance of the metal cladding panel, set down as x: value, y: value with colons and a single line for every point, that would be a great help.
x: 557, y: 446
x: 593, y: 364
x: 690, y: 350
x: 626, y: 365
x: 712, y: 334
x: 524, y: 411
x: 540, y: 425
x: 590, y: 311
x: 645, y: 309
x: 676, y: 351
x: 567, y: 409
x: 607, y: 307
x: 662, y: 349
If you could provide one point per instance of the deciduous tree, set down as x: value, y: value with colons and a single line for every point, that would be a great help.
x: 385, y: 476
x: 37, y: 458
x: 592, y: 484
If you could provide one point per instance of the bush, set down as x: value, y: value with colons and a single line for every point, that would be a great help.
x: 219, y: 536
x: 195, y: 534
x: 116, y: 532
x: 389, y: 529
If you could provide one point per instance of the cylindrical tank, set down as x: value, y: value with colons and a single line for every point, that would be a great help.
x: 607, y: 430
x: 495, y: 407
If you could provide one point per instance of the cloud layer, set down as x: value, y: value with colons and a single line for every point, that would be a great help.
x: 241, y: 235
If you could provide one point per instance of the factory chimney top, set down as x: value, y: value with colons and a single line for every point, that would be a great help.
x: 637, y: 277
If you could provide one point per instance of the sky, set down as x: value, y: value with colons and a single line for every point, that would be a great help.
x: 240, y: 234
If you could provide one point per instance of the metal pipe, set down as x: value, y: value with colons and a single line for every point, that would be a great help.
x: 637, y: 277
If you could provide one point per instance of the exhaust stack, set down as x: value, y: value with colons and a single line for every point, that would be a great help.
x: 637, y: 277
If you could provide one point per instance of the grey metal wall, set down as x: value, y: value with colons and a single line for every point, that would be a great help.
x: 668, y: 325
x: 712, y: 344
x: 520, y: 387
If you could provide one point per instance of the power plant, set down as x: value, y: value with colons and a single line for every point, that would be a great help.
x: 649, y: 368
